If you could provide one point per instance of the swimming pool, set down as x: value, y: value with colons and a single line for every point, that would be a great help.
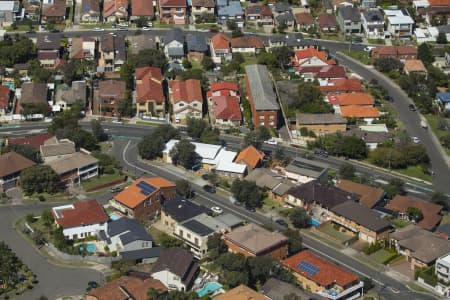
x: 91, y: 248
x: 314, y: 223
x: 210, y: 287
x: 114, y: 217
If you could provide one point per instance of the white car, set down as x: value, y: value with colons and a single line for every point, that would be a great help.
x: 271, y: 142
x: 98, y: 29
x: 217, y: 210
x: 117, y: 122
x: 145, y: 28
x: 369, y: 48
x: 415, y: 140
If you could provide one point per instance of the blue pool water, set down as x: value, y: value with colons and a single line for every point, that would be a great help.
x: 314, y: 223
x: 114, y: 217
x: 90, y: 248
x: 210, y: 287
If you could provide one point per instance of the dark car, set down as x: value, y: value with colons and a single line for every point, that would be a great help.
x: 282, y: 223
x: 209, y: 188
x: 55, y: 30
x: 411, y: 107
x: 214, y: 30
x: 388, y: 98
x: 92, y: 285
x: 320, y: 152
x: 250, y: 209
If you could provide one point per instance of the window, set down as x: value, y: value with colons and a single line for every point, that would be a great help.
x: 188, y: 235
x: 181, y: 104
x: 181, y: 233
x: 178, y: 9
x: 271, y: 117
x: 261, y: 117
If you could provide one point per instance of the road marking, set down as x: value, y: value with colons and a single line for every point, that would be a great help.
x: 130, y: 164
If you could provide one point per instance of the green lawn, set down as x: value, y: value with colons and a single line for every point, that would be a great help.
x: 156, y: 234
x: 445, y: 219
x: 207, y: 26
x: 376, y: 41
x: 380, y: 255
x: 432, y: 123
x: 329, y: 230
x: 399, y: 223
x: 361, y: 56
x: 415, y: 171
x: 100, y: 180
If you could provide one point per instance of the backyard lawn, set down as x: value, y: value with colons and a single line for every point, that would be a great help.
x: 399, y: 223
x: 101, y: 180
x: 328, y: 229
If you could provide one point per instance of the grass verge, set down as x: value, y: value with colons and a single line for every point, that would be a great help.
x: 361, y: 56
x: 433, y: 125
x: 416, y: 172
x: 101, y: 180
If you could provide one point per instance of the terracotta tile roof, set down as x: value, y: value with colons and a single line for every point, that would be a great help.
x: 327, y: 20
x: 35, y: 141
x: 251, y: 156
x: 327, y: 274
x: 247, y: 42
x: 12, y: 162
x: 57, y: 9
x: 394, y: 50
x: 370, y: 196
x: 241, y: 292
x: 220, y: 41
x: 218, y: 86
x: 149, y: 85
x: 172, y: 3
x: 342, y: 85
x: 79, y: 213
x: 132, y: 196
x: 430, y: 211
x: 439, y: 2
x: 188, y: 90
x: 227, y: 108
x: 204, y: 3
x: 112, y: 89
x: 258, y: 10
x: 331, y: 71
x: 356, y: 111
x: 304, y: 18
x: 414, y: 65
x: 255, y: 239
x: 4, y: 96
x: 311, y: 52
x: 137, y: 289
x: 111, y: 7
x: 142, y: 8
x: 351, y: 99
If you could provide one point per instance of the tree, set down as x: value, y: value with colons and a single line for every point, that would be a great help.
x: 39, y: 179
x: 440, y: 199
x: 368, y: 284
x: 195, y: 127
x: 294, y: 242
x: 16, y: 51
x: 106, y: 163
x: 186, y: 63
x: 267, y: 58
x: 232, y: 25
x: 300, y: 218
x: 260, y: 268
x: 125, y: 107
x: 152, y: 145
x: 213, y: 178
x: 394, y: 187
x: 26, y: 151
x: 415, y: 214
x: 183, y: 153
x: 141, y: 22
x: 207, y: 63
x: 425, y: 53
x: 441, y: 38
x: 346, y: 171
x: 256, y: 137
x: 387, y: 64
x: 98, y: 132
x: 168, y: 241
x: 281, y: 156
x: 69, y: 72
x: 308, y: 100
x: 216, y: 246
x: 247, y: 192
x: 47, y: 218
x: 184, y: 188
x: 283, y: 56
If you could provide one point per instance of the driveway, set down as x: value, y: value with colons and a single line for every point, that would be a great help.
x: 54, y: 281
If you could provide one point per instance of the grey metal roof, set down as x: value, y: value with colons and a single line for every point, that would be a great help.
x: 261, y: 88
x: 197, y: 227
x: 233, y: 9
x: 287, y: 16
x: 280, y: 7
x: 175, y: 34
x: 444, y: 29
x: 350, y: 13
x: 181, y: 210
x: 307, y: 167
x: 314, y: 119
x: 120, y: 48
x: 230, y: 220
x: 175, y: 51
x: 278, y: 290
x: 142, y: 253
x: 196, y: 42
x: 129, y: 230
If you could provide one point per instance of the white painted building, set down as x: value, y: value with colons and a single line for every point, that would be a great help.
x: 399, y: 23
x: 442, y: 271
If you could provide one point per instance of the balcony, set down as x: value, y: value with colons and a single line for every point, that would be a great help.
x: 335, y: 294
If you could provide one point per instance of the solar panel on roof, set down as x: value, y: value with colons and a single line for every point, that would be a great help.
x: 308, y: 268
x: 146, y: 189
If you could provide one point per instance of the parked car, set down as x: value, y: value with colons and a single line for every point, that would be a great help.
x: 217, y: 210
x: 271, y: 142
x: 368, y: 48
x: 412, y: 107
x: 415, y: 140
x: 321, y: 152
x: 116, y: 189
x: 117, y: 121
x: 209, y: 188
x: 250, y: 209
x: 97, y: 29
x: 55, y: 30
x: 145, y: 28
x: 282, y: 223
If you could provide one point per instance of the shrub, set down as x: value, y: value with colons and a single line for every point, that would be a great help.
x: 114, y: 253
x: 372, y: 248
x: 106, y: 248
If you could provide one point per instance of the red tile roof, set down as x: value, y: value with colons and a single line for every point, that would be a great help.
x: 247, y: 42
x: 227, y: 108
x: 342, y: 85
x: 430, y: 211
x: 111, y: 7
x: 57, y: 9
x: 172, y: 3
x: 35, y: 141
x: 251, y: 156
x: 325, y: 71
x: 79, y: 213
x: 142, y: 8
x: 356, y: 111
x: 304, y: 18
x: 220, y: 41
x: 4, y: 96
x: 149, y: 72
x: 11, y: 163
x: 149, y: 85
x: 258, y: 10
x: 327, y: 20
x: 370, y: 195
x: 345, y: 99
x: 311, y: 52
x: 188, y: 90
x: 327, y: 274
x: 439, y: 2
x: 394, y: 51
x: 414, y: 65
x: 218, y: 86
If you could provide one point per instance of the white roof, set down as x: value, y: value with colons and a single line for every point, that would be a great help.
x: 421, y: 3
x: 6, y: 5
x: 396, y: 16
x: 205, y: 151
x: 445, y: 258
x: 231, y: 167
x: 374, y: 128
x: 226, y: 156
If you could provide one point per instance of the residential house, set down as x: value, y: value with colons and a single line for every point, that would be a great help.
x: 420, y: 247
x: 115, y: 10
x: 35, y: 141
x: 442, y: 271
x: 112, y: 53
x: 90, y: 11
x: 137, y: 43
x: 126, y: 287
x: 176, y: 269
x: 276, y: 186
x: 172, y: 12
x: 443, y: 231
x: 196, y: 46
x: 328, y: 22
x: 304, y: 21
x: 275, y: 289
x: 401, y: 53
x: 318, y: 197
x: 33, y: 94
x: 369, y: 196
x: 349, y: 20
x: 321, y: 73
x: 321, y: 124
x: 372, y: 22
x: 368, y: 114
x: 5, y: 100
x: 223, y: 102
x: 435, y: 14
x: 186, y: 98
x: 110, y: 94
x: 293, y: 41
x: 230, y: 10
x: 260, y: 14
x: 346, y: 99
x: 220, y: 48
x: 10, y: 12
x: 254, y: 240
x: 66, y: 96
x: 304, y: 170
x: 372, y: 139
x: 240, y: 292
x: 80, y: 219
x: 362, y: 221
x: 443, y: 100
x: 322, y: 277
x: 367, y: 4
x: 414, y: 66
x: 343, y: 85
x: 200, y: 7
x: 54, y: 10
x: 75, y: 167
x: 173, y: 41
x: 261, y: 96
x: 310, y: 57
x: 49, y: 50
x: 142, y: 200
x: 33, y: 10
x: 11, y: 164
x: 179, y: 210
x: 53, y: 149
x: 150, y: 99
x: 399, y: 23
x: 247, y: 44
x: 83, y: 48
x: 337, y: 4
x: 284, y: 18
x: 142, y: 9
x: 431, y: 212
x: 251, y: 157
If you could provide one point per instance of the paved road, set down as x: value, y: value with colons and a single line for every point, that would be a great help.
x: 54, y: 281
x: 125, y: 151
x: 411, y: 120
